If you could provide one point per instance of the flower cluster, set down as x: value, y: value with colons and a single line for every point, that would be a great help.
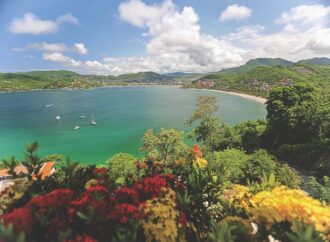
x: 163, y: 210
x: 283, y: 204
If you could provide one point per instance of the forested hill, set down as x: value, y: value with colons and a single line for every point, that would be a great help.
x: 69, y: 79
x: 259, y: 76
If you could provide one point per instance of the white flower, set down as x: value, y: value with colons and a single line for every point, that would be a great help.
x: 254, y: 228
x: 272, y: 239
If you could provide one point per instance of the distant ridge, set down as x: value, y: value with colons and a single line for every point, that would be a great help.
x: 253, y: 63
x: 316, y: 61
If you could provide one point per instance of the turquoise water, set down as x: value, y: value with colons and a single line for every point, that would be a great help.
x: 122, y: 114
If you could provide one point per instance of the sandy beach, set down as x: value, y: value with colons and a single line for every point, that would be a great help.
x: 258, y: 99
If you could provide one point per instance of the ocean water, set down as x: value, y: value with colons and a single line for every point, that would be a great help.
x: 122, y: 114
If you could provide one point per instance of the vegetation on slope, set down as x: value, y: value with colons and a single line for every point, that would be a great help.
x: 261, y: 80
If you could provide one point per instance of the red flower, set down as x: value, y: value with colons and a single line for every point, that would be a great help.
x: 125, y: 195
x: 123, y: 212
x: 57, y: 199
x: 183, y: 219
x: 197, y: 151
x: 150, y: 187
x: 95, y: 197
x: 82, y: 238
x: 21, y: 218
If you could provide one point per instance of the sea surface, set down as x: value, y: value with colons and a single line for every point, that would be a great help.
x: 122, y: 114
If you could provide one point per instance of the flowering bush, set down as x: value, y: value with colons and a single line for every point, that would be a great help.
x: 167, y: 201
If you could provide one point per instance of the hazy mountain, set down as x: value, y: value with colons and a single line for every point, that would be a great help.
x: 316, y: 61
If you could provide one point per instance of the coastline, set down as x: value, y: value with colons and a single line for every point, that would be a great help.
x: 251, y: 97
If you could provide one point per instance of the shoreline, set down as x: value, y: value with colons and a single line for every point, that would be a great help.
x: 247, y: 96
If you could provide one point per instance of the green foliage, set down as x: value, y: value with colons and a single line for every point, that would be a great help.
x: 167, y: 146
x: 298, y: 124
x: 320, y: 190
x: 289, y: 114
x: 235, y: 166
x: 260, y: 163
x: 7, y: 234
x: 59, y: 159
x: 232, y: 231
x: 122, y: 166
x: 11, y: 164
x: 32, y: 162
x: 252, y: 134
x: 230, y: 164
x: 304, y: 233
x: 206, y: 106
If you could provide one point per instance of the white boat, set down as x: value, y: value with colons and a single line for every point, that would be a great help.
x: 76, y: 127
x: 93, y: 122
x: 82, y: 116
x: 58, y: 117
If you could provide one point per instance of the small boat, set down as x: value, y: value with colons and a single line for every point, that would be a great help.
x: 93, y: 122
x: 76, y: 127
x: 49, y: 105
x: 58, y: 117
x: 82, y: 116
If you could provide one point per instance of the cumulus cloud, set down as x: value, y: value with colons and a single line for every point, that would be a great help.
x: 305, y: 33
x: 31, y: 24
x: 80, y: 48
x: 68, y: 18
x: 175, y: 42
x: 235, y: 12
x: 61, y: 58
x: 54, y: 47
x: 314, y: 15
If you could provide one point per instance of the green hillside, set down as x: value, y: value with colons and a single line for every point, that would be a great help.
x: 69, y: 79
x: 144, y: 77
x: 261, y: 79
x: 316, y: 61
x: 251, y: 64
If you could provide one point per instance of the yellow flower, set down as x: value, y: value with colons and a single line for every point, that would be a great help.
x: 239, y: 196
x: 200, y: 163
x: 283, y: 204
x: 160, y: 222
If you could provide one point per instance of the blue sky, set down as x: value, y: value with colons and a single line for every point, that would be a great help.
x: 114, y: 37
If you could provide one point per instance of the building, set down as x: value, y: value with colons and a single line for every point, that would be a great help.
x: 46, y: 170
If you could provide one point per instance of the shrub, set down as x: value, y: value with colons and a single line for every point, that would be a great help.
x: 121, y: 167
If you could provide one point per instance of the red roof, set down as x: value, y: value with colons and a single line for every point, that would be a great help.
x: 46, y: 170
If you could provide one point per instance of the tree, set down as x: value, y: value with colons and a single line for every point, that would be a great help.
x: 211, y: 131
x: 290, y: 114
x: 206, y: 106
x: 251, y: 134
x: 168, y: 145
x: 32, y: 162
x: 121, y: 167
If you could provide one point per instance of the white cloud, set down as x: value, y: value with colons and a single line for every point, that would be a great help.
x: 313, y: 15
x: 67, y: 18
x: 53, y: 47
x: 60, y: 58
x: 80, y: 48
x: 174, y: 41
x: 31, y: 24
x: 235, y: 12
x: 47, y: 47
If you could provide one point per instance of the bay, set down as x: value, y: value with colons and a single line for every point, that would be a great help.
x: 122, y: 114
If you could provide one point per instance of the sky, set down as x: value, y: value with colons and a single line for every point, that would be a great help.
x: 115, y: 37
